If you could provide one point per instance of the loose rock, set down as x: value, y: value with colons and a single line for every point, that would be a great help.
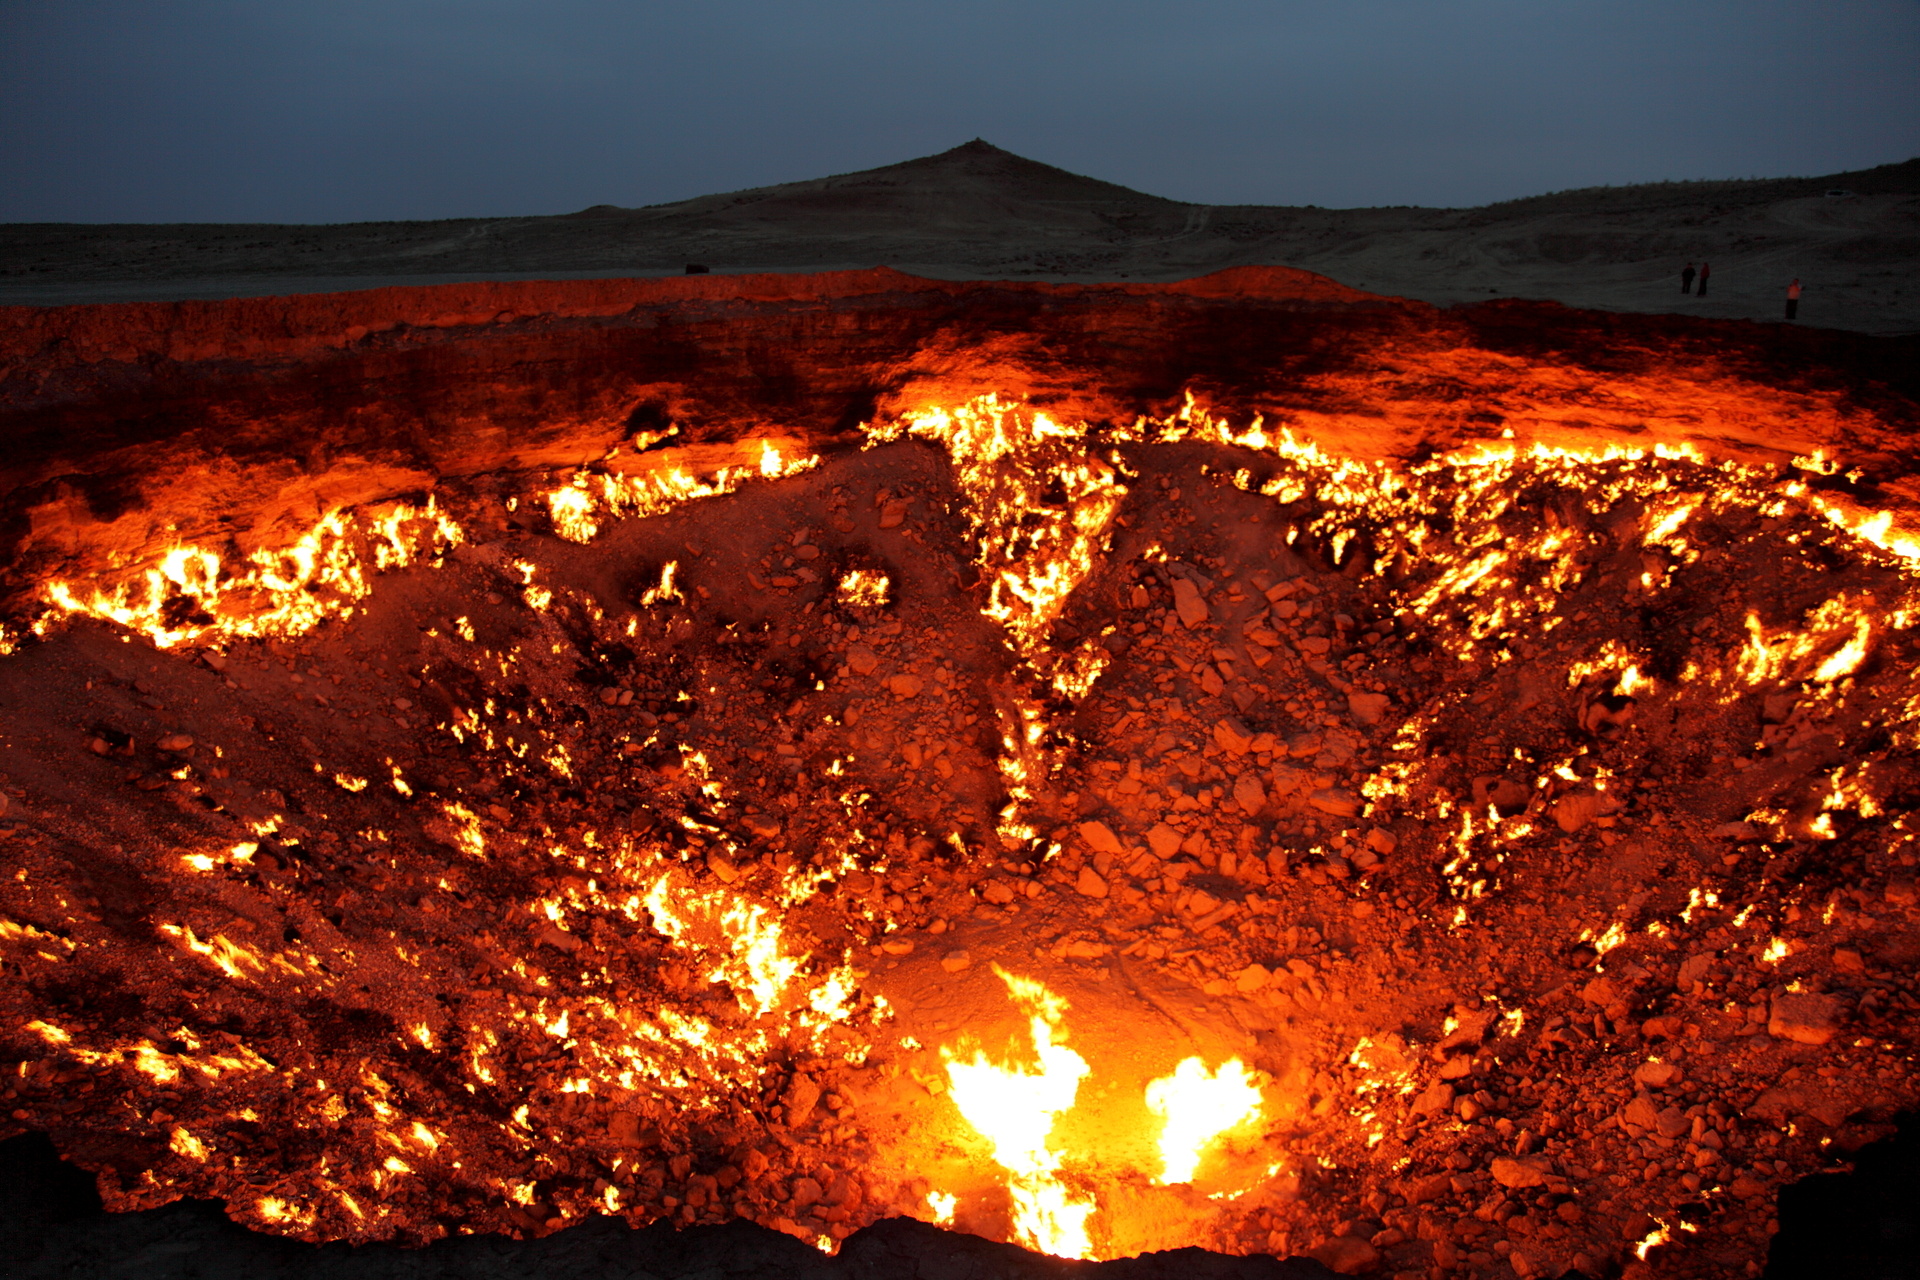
x: 1368, y: 708
x: 1233, y: 736
x: 1189, y: 604
x: 1521, y: 1171
x: 1657, y: 1075
x: 802, y: 1093
x: 1805, y: 1019
x: 1346, y: 1255
x: 1338, y: 803
x: 1249, y: 794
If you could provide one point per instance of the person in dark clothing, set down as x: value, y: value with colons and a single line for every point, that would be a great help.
x: 1704, y: 269
x: 1793, y: 299
x: 1686, y: 279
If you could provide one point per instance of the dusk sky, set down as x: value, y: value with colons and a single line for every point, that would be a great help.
x: 302, y: 111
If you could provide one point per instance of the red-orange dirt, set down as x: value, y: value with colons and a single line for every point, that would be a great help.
x: 436, y: 801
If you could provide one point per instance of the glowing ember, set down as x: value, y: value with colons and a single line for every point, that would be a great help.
x: 1040, y: 502
x: 194, y: 595
x: 1652, y: 1240
x: 1197, y: 1106
x: 864, y: 589
x: 577, y: 509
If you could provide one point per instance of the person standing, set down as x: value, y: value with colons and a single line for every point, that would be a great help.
x: 1793, y: 299
x: 1686, y: 279
x: 1704, y: 269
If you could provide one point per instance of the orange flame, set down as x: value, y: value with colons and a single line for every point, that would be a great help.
x: 1014, y: 1108
x: 1198, y: 1106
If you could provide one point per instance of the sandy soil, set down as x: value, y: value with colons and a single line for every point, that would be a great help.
x: 977, y: 212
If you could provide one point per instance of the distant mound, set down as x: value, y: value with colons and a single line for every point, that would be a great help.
x: 1881, y: 180
x: 973, y: 168
x: 976, y: 189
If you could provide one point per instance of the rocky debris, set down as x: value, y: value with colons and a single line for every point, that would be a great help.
x: 1249, y: 794
x: 1335, y: 801
x: 1521, y: 1172
x: 802, y: 1095
x: 1605, y: 995
x: 1575, y: 812
x: 1346, y: 1255
x: 1805, y: 1018
x: 1658, y: 1075
x: 1463, y: 981
x: 1189, y: 604
x: 1234, y: 736
x: 1368, y: 708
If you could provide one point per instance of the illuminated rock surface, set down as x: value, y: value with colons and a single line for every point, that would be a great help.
x: 1239, y: 763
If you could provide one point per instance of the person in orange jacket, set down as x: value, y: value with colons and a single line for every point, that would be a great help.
x: 1793, y: 299
x: 1704, y: 269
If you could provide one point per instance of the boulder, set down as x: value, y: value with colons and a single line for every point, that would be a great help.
x: 1368, y: 708
x: 1189, y: 604
x: 1233, y: 736
x: 1805, y: 1019
x: 1520, y: 1172
x: 1657, y: 1075
x: 1249, y: 794
x: 1346, y: 1255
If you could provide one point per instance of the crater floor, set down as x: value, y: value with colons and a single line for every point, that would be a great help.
x: 1533, y: 827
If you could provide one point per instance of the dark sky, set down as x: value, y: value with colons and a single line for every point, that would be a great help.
x: 331, y: 110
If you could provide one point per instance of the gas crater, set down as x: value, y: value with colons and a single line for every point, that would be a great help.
x: 1242, y: 763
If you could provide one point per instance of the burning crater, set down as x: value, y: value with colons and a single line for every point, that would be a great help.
x: 1241, y: 763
